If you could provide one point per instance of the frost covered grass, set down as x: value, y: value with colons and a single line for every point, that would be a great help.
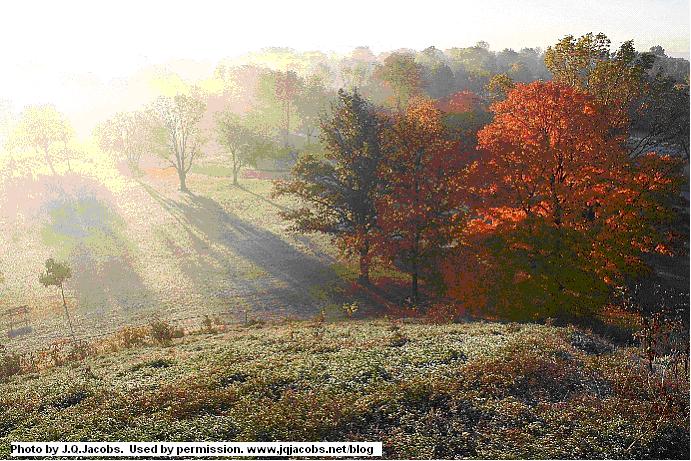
x: 476, y: 390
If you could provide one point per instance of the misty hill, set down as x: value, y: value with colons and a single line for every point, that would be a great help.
x: 89, y: 98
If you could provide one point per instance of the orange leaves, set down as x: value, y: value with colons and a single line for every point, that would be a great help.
x: 419, y: 126
x: 549, y: 150
x: 468, y: 282
x: 422, y: 203
x: 663, y: 249
x: 589, y: 109
x: 560, y: 209
x: 459, y: 103
x: 490, y: 219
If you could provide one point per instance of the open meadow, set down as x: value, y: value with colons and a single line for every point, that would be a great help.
x: 140, y: 249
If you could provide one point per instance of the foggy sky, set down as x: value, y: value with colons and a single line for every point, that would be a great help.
x: 69, y: 52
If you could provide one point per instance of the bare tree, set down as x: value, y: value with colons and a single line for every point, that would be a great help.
x: 180, y: 135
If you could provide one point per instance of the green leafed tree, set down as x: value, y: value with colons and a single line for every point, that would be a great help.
x: 648, y: 103
x: 287, y: 87
x: 275, y: 113
x: 66, y: 134
x: 337, y: 194
x: 436, y: 76
x: 55, y: 275
x: 571, y: 60
x: 243, y: 145
x: 311, y: 102
x: 498, y: 87
x: 662, y: 118
x: 126, y: 134
x: 403, y: 75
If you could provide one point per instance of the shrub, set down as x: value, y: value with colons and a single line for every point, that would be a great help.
x: 663, y: 337
x: 72, y: 397
x: 186, y: 400
x: 209, y: 325
x: 350, y: 309
x: 398, y: 339
x: 129, y: 336
x: 530, y: 371
x: 163, y: 332
x: 10, y: 363
x: 155, y: 363
x: 56, y: 352
x: 79, y: 350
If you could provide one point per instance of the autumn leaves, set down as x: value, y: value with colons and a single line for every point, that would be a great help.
x: 545, y: 218
x: 561, y: 206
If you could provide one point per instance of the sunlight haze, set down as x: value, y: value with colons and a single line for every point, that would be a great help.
x: 75, y: 54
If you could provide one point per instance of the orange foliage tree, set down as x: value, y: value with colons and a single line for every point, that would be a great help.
x: 464, y: 114
x: 458, y: 103
x: 562, y: 213
x: 420, y: 206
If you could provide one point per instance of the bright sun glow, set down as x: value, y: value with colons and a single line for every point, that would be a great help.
x: 79, y: 55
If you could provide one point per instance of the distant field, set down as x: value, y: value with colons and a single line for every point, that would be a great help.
x: 474, y: 390
x: 138, y: 247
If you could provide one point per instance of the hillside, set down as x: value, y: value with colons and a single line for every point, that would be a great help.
x: 139, y: 248
x: 477, y: 390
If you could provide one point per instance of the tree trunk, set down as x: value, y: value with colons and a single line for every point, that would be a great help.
x: 49, y: 161
x: 67, y: 155
x: 415, y: 269
x: 67, y: 313
x: 287, y: 122
x: 414, y: 285
x: 558, y: 218
x: 236, y: 169
x: 363, y: 278
x: 134, y: 168
x: 236, y: 165
x: 183, y: 181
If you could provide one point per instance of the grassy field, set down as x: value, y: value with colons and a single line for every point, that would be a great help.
x: 473, y: 390
x: 139, y: 248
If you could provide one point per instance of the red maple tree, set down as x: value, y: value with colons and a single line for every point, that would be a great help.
x: 562, y: 213
x: 421, y: 205
x: 458, y: 103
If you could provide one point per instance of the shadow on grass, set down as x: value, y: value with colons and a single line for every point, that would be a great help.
x: 262, y: 198
x: 285, y: 275
x: 84, y: 228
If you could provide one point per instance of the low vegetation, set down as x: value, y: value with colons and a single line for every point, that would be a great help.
x: 478, y: 390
